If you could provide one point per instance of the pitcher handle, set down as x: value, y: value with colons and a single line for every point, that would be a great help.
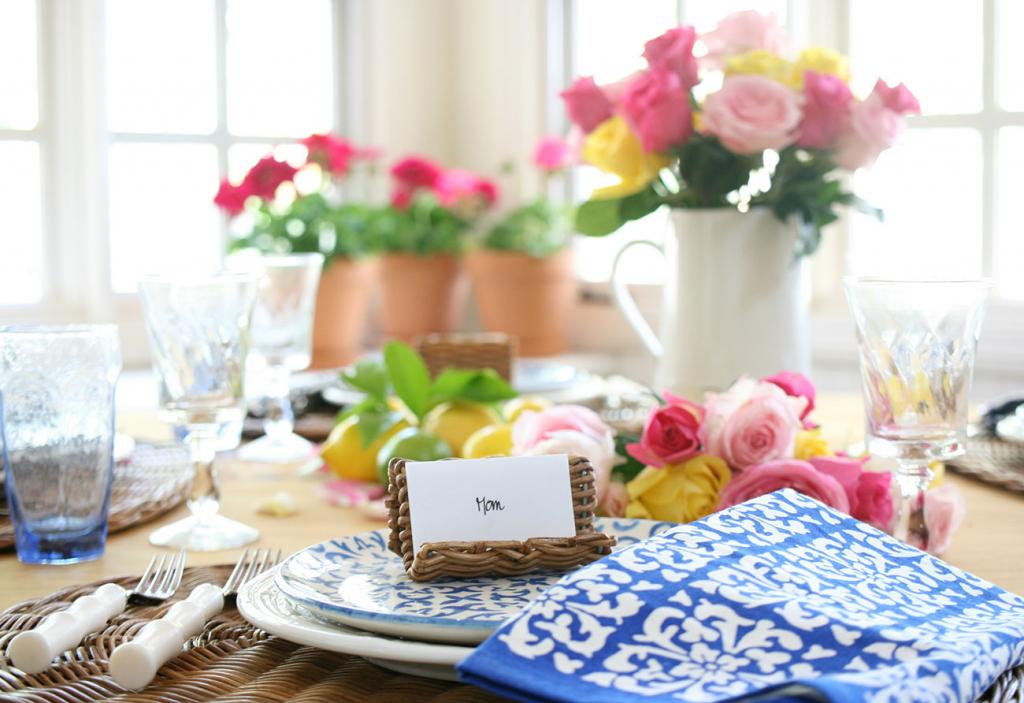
x: 626, y: 303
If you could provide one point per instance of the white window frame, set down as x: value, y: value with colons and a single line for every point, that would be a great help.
x: 74, y: 142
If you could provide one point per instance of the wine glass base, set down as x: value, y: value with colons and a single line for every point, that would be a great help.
x: 278, y: 450
x: 212, y: 534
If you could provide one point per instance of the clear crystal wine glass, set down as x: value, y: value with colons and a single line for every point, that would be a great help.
x: 282, y: 342
x: 917, y: 343
x: 199, y: 337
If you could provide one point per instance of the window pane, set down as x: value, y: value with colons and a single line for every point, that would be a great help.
x: 161, y: 66
x: 1010, y: 54
x: 19, y: 104
x: 21, y: 236
x: 934, y: 46
x: 610, y: 35
x: 162, y: 216
x: 930, y: 188
x: 1009, y: 242
x: 280, y: 77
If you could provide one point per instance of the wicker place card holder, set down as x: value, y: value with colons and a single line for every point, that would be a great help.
x: 493, y: 558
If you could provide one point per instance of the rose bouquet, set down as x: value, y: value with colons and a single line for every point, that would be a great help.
x: 738, y: 123
x: 754, y: 438
x: 279, y: 208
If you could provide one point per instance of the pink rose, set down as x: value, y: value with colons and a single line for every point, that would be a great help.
x: 264, y: 178
x: 944, y: 512
x: 868, y: 492
x: 795, y: 385
x: 742, y: 32
x: 657, y: 109
x: 587, y: 105
x: 791, y: 473
x: 826, y: 103
x: 458, y: 186
x: 673, y: 51
x: 752, y: 423
x: 897, y: 98
x: 230, y: 198
x: 615, y: 500
x: 567, y: 429
x: 671, y: 434
x: 551, y: 154
x: 752, y: 113
x: 873, y: 125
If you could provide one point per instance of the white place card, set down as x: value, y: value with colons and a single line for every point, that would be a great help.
x: 504, y: 498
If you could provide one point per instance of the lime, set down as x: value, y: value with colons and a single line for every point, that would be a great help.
x: 411, y: 443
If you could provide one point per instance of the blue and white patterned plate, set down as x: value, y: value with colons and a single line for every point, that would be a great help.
x: 357, y: 581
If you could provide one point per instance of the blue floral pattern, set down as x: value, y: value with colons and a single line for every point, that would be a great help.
x: 359, y: 577
x: 775, y: 592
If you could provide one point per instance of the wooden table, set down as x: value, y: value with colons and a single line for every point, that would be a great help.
x: 990, y: 544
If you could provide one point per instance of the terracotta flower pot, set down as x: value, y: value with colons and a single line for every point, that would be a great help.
x: 341, y: 309
x: 420, y: 295
x: 530, y: 298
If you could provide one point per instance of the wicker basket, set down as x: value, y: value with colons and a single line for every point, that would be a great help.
x: 507, y: 558
x: 468, y: 351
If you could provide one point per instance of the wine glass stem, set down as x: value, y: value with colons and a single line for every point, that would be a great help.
x: 279, y: 421
x: 204, y: 497
x: 913, y: 479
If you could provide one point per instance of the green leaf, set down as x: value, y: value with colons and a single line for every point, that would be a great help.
x: 627, y: 470
x: 374, y: 421
x: 596, y: 218
x: 479, y: 385
x: 409, y: 376
x: 487, y: 386
x: 370, y: 377
x: 638, y: 205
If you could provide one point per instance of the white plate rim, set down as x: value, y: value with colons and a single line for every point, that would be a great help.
x: 312, y: 633
x: 402, y: 625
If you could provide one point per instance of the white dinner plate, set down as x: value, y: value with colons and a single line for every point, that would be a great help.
x: 358, y: 581
x: 262, y: 604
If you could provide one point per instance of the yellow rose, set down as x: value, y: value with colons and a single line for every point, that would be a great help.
x: 938, y: 473
x: 613, y: 148
x: 678, y: 492
x: 762, y: 63
x: 810, y: 444
x: 820, y: 60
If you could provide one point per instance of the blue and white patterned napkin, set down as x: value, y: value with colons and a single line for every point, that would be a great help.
x: 776, y: 592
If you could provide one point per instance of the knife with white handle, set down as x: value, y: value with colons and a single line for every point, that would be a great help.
x: 134, y: 664
x: 34, y: 650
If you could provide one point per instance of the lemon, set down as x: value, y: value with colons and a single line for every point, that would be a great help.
x: 345, y: 454
x: 493, y: 440
x: 455, y: 421
x: 517, y: 406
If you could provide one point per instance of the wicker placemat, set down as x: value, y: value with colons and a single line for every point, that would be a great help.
x: 230, y: 661
x: 992, y: 460
x: 153, y: 481
x: 234, y: 661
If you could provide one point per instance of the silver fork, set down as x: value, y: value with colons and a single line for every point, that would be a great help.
x: 33, y: 651
x: 134, y: 664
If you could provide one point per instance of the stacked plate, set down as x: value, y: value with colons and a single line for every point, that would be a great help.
x: 352, y: 595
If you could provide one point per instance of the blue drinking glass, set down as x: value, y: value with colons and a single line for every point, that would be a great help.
x: 57, y: 437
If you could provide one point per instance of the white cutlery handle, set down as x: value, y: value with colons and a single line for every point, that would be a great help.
x: 134, y: 664
x: 32, y: 651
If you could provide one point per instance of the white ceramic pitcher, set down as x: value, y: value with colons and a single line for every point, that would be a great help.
x: 733, y: 301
